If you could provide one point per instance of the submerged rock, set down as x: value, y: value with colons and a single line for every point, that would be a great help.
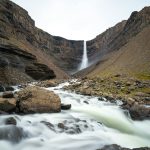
x: 10, y: 121
x: 49, y: 125
x: 12, y: 133
x: 37, y: 100
x: 117, y: 147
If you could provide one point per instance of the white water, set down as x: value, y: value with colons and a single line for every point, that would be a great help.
x: 84, y: 63
x: 101, y: 123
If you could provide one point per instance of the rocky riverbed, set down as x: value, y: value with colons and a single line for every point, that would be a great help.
x: 26, y: 109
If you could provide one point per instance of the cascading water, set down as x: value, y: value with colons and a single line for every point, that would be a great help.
x: 84, y: 63
x: 89, y: 125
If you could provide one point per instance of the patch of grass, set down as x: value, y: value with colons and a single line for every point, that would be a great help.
x: 143, y: 76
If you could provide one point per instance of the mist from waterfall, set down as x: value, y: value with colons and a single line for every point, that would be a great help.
x: 84, y: 63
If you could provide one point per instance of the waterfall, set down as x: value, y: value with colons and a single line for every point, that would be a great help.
x: 84, y: 62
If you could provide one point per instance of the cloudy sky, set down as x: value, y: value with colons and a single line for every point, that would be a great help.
x: 79, y: 19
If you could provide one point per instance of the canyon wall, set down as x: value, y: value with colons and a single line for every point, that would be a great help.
x: 114, y: 38
x: 18, y: 32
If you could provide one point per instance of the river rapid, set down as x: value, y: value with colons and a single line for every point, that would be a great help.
x: 91, y: 123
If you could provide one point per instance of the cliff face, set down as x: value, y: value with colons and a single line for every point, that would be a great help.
x: 18, y: 31
x: 117, y: 36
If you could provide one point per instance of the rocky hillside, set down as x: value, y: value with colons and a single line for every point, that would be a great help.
x: 117, y: 36
x: 123, y: 49
x: 27, y: 52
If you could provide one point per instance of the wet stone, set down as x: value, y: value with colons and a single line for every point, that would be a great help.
x: 8, y: 94
x: 49, y: 125
x: 61, y: 125
x: 65, y: 106
x: 9, y: 88
x: 86, y: 102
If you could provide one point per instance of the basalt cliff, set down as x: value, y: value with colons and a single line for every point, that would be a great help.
x: 28, y: 53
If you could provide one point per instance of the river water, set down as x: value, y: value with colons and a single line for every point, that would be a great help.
x: 90, y: 124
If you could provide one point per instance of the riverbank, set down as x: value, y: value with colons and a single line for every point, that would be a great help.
x: 133, y: 93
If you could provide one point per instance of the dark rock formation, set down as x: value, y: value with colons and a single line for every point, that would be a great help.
x: 114, y: 38
x: 9, y: 88
x: 14, y: 66
x: 39, y: 71
x: 65, y: 106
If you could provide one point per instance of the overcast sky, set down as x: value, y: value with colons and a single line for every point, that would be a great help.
x: 79, y: 19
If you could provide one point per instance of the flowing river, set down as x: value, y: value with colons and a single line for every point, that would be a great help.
x: 90, y: 124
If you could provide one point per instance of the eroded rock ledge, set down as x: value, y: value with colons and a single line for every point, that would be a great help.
x: 18, y: 66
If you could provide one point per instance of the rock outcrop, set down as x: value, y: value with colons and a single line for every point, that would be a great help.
x: 114, y: 38
x: 26, y: 50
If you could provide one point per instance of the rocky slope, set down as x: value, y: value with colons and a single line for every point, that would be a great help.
x: 46, y: 53
x: 117, y: 36
x: 131, y: 59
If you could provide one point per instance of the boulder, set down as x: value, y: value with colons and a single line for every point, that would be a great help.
x: 137, y: 111
x: 34, y: 99
x: 8, y: 94
x: 7, y: 105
